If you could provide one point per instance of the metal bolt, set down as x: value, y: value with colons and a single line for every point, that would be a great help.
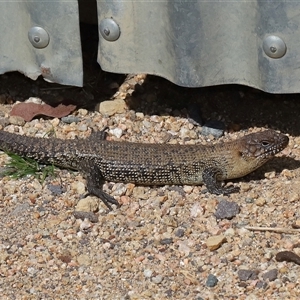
x: 106, y: 31
x: 274, y: 46
x: 109, y: 29
x: 38, y: 37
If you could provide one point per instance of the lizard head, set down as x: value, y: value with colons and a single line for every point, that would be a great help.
x: 263, y: 145
x: 255, y: 149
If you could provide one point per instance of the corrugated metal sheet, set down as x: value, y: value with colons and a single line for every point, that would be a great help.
x: 204, y: 43
x: 191, y: 43
x: 61, y: 60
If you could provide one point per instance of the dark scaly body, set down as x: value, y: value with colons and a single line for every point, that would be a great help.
x: 150, y: 164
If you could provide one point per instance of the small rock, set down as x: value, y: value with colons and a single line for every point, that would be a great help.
x: 271, y: 275
x: 227, y: 210
x: 84, y: 259
x: 186, y: 188
x: 260, y: 201
x: 110, y: 107
x: 214, y: 242
x: 119, y: 189
x: 155, y: 118
x: 88, y: 204
x: 166, y: 241
x: 56, y: 189
x: 230, y: 232
x: 184, y: 133
x: 270, y: 175
x: 212, y: 280
x: 183, y: 247
x: 117, y: 132
x: 79, y: 187
x: 16, y: 120
x: 86, y: 215
x: 179, y: 232
x: 139, y: 193
x: 82, y: 127
x: 70, y: 119
x: 35, y: 100
x: 82, y: 112
x: 4, y: 122
x: 139, y: 115
x: 85, y: 226
x: 148, y: 273
x: 245, y: 275
x: 214, y: 127
x: 196, y: 210
x: 54, y: 122
x: 157, y: 279
x: 261, y: 284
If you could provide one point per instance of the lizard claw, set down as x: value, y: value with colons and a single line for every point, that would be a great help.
x: 106, y: 199
x: 230, y: 190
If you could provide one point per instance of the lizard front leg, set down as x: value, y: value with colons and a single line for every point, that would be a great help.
x: 213, y: 184
x: 99, y: 135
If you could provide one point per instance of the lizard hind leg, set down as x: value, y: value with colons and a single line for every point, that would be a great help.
x: 95, y: 182
x: 214, y: 186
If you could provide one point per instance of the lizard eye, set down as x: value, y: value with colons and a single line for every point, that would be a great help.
x: 265, y: 143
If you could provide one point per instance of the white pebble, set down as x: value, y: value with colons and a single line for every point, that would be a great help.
x: 157, y: 279
x: 148, y: 273
x: 117, y: 132
x: 196, y: 210
x: 86, y: 224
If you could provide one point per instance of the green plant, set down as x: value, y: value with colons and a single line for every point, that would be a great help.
x: 19, y: 167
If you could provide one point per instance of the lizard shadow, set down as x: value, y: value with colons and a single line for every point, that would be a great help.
x: 277, y: 164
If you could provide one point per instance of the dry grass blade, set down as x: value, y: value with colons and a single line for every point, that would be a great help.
x: 274, y: 229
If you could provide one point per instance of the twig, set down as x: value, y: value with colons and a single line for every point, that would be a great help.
x: 275, y: 229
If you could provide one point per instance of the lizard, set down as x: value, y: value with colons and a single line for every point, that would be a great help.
x: 102, y: 160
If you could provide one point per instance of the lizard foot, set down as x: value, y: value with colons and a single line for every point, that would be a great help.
x: 106, y: 199
x: 229, y: 190
x: 214, y: 186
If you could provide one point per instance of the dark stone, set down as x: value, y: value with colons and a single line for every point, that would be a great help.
x: 247, y: 275
x: 179, y: 232
x: 166, y: 241
x: 261, y: 284
x: 227, y: 210
x: 55, y: 189
x: 70, y: 119
x: 211, y: 281
x: 271, y: 275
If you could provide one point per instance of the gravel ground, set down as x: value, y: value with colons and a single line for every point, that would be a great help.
x: 163, y: 242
